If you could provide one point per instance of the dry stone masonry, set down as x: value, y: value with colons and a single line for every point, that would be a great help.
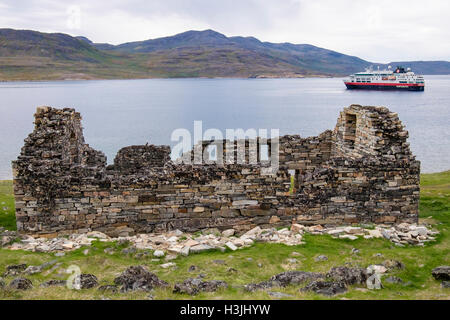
x: 362, y: 172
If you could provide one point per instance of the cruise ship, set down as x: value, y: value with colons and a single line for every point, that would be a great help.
x: 399, y: 79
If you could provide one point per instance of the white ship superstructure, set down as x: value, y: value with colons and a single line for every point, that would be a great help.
x: 400, y: 79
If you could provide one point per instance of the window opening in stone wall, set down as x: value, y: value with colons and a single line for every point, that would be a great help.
x: 263, y: 152
x: 298, y: 179
x: 295, y: 179
x: 292, y: 181
x: 350, y: 129
x: 212, y: 153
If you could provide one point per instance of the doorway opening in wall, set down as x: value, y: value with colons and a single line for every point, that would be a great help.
x: 350, y: 130
x: 295, y: 179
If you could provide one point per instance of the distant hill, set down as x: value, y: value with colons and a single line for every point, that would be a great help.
x: 189, y: 39
x: 422, y: 67
x: 301, y: 59
x: 25, y: 43
x: 32, y: 55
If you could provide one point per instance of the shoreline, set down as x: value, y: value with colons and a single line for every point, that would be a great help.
x: 194, y: 78
x: 171, y: 78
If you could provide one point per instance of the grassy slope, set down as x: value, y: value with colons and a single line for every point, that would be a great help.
x: 113, y: 66
x: 202, y: 62
x: 7, y: 217
x: 434, y: 208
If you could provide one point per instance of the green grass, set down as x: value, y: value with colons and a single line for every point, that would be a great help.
x: 419, y: 261
x: 7, y: 217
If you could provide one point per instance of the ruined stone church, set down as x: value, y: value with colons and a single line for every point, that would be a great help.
x: 361, y: 172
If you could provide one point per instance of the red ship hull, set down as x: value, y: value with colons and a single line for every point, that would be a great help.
x: 385, y: 86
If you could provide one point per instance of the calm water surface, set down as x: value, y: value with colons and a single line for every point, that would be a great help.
x: 117, y: 113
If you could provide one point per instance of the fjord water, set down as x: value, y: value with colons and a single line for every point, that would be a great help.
x: 118, y: 113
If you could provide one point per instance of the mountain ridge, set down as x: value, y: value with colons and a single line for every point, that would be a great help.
x: 33, y: 55
x: 420, y: 66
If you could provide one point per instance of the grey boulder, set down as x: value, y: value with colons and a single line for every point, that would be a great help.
x: 21, y: 284
x: 441, y: 273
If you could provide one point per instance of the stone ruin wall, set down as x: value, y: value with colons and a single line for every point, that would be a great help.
x: 362, y: 172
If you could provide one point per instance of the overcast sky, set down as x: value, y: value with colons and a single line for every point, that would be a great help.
x: 375, y: 30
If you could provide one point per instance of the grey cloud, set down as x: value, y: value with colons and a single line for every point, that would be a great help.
x: 378, y: 30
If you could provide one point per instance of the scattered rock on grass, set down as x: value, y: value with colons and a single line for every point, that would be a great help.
x: 294, y: 277
x: 200, y: 248
x: 391, y: 264
x: 129, y: 250
x: 393, y: 279
x: 38, y: 269
x: 85, y: 281
x: 141, y: 255
x: 192, y: 286
x: 348, y: 275
x: 192, y: 268
x: 327, y: 288
x: 32, y: 270
x: 108, y: 288
x: 284, y: 279
x: 6, y: 240
x: 348, y: 236
x: 399, y: 235
x: 14, y: 270
x: 441, y: 273
x: 52, y: 283
x: 231, y: 246
x: 21, y: 284
x: 278, y: 295
x: 321, y: 258
x: 109, y: 251
x: 378, y: 255
x: 170, y: 257
x: 376, y: 268
x: 168, y: 265
x: 138, y: 278
x: 158, y: 253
